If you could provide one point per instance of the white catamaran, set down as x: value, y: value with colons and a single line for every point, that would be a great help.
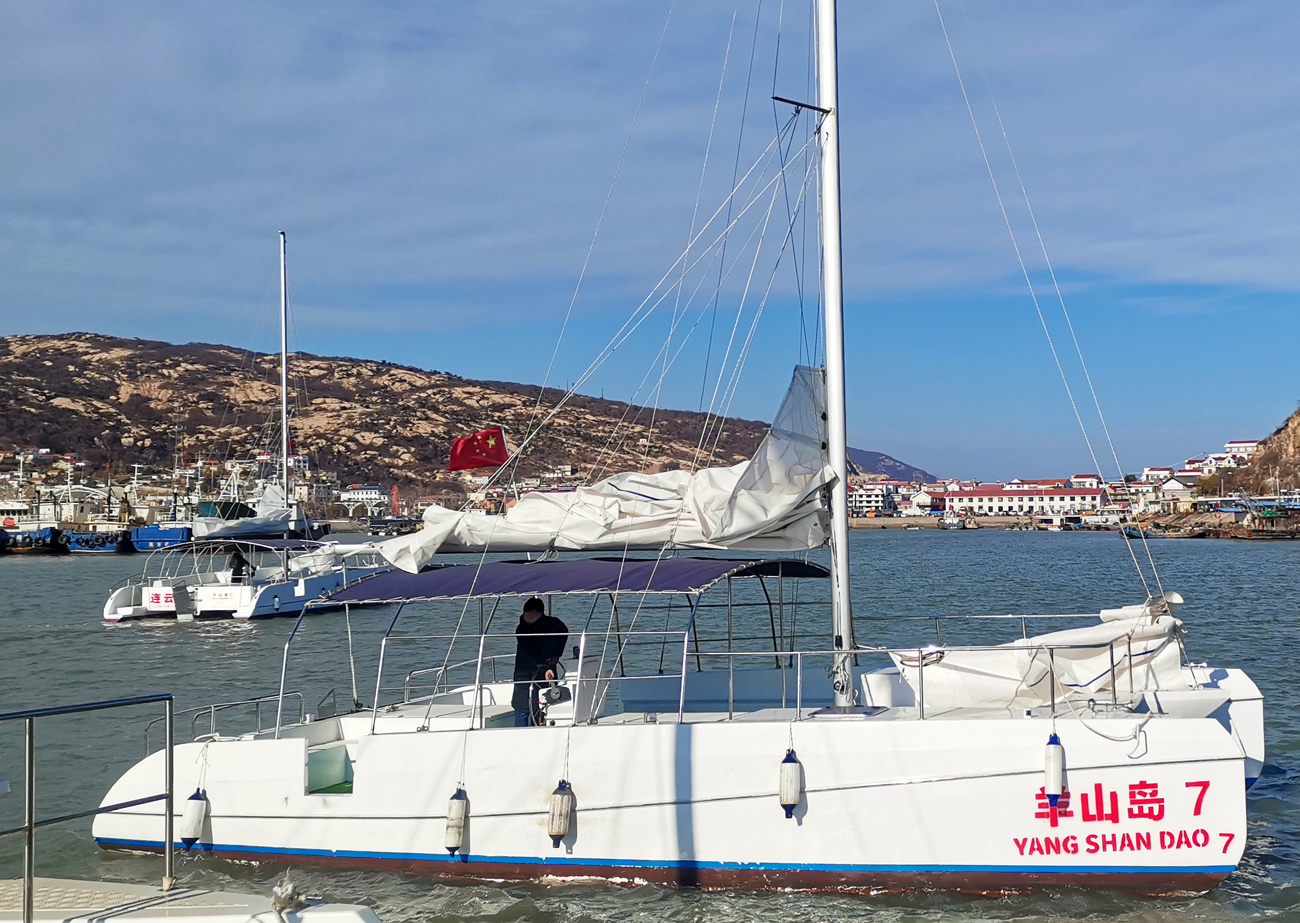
x: 1095, y: 756
x: 246, y: 568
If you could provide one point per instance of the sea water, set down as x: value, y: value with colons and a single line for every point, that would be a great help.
x: 55, y: 648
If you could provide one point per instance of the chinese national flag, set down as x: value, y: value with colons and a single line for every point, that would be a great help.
x: 482, y: 450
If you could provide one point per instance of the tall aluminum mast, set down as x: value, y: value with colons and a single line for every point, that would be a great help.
x: 833, y: 305
x: 284, y: 373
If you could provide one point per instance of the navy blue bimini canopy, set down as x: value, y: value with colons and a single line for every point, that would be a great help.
x: 539, y: 578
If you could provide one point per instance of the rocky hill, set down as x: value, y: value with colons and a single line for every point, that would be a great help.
x: 1276, y: 462
x: 119, y: 401
x: 878, y: 463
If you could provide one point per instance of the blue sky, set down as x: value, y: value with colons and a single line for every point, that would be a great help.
x: 441, y: 168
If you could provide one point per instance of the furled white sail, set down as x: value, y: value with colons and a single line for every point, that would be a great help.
x: 773, y: 502
x: 1133, y: 650
x: 274, y: 518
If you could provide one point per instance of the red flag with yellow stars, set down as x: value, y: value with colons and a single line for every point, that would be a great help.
x: 482, y: 450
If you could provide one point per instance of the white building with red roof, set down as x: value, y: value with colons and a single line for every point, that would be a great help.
x: 1006, y: 500
x: 1243, y: 447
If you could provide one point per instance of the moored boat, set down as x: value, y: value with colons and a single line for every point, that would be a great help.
x: 952, y: 520
x: 238, y: 578
x: 99, y: 541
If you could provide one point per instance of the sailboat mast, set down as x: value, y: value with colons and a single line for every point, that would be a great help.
x: 833, y: 306
x: 284, y: 371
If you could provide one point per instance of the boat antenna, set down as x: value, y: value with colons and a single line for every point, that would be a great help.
x: 833, y: 300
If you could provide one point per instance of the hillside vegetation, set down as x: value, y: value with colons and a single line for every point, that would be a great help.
x: 123, y: 401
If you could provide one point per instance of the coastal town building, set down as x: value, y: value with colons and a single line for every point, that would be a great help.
x: 870, y: 499
x: 1243, y: 447
x: 363, y: 493
x: 317, y: 491
x: 924, y: 502
x: 1004, y: 500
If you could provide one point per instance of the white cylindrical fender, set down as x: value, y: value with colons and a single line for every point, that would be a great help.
x: 457, y: 814
x: 557, y: 824
x: 192, y: 818
x: 790, y: 785
x: 1054, y: 770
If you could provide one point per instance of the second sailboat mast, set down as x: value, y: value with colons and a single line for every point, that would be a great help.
x: 284, y: 372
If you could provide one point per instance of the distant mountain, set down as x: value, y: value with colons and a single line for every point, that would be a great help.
x: 879, y: 463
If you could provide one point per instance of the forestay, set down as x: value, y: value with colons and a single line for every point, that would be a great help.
x: 772, y: 502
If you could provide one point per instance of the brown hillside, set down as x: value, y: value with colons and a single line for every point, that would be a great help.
x: 119, y: 401
x: 1277, y: 460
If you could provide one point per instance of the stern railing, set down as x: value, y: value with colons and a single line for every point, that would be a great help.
x: 31, y: 823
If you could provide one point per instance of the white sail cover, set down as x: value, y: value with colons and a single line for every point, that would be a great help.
x: 1134, y: 648
x: 773, y: 502
x: 274, y: 517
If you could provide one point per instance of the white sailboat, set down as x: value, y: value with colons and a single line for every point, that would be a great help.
x: 1092, y: 756
x: 236, y: 568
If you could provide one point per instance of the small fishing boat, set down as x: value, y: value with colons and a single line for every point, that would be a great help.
x: 100, y: 541
x: 951, y: 521
x: 238, y: 578
x: 1131, y: 531
x: 160, y: 535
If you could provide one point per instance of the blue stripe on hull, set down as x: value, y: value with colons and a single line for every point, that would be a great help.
x: 562, y: 861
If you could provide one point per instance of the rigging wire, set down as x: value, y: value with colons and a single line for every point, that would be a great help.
x: 713, y: 402
x: 740, y: 137
x: 603, y: 210
x: 743, y: 358
x: 637, y: 318
x: 695, y: 211
x: 724, y: 272
x: 776, y: 119
x: 1024, y: 269
x: 1051, y: 271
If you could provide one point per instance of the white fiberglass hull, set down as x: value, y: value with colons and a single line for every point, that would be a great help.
x: 225, y: 600
x: 888, y: 801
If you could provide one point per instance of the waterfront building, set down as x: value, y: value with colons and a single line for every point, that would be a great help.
x: 1004, y: 500
x: 1036, y: 483
x: 363, y: 493
x: 924, y: 502
x: 869, y: 498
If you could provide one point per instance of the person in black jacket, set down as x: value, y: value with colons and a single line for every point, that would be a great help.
x: 541, y: 640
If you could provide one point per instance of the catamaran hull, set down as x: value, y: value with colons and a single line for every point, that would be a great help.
x: 262, y: 601
x: 886, y: 804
